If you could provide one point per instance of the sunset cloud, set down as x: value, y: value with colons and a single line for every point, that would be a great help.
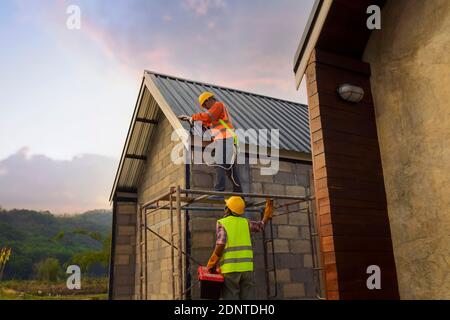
x: 41, y: 183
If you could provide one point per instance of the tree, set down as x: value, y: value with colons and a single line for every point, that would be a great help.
x: 49, y: 270
x: 89, y: 258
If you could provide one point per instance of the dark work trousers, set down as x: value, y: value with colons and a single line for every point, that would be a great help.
x: 238, y: 286
x: 223, y: 157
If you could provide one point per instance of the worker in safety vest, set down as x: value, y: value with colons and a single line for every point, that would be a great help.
x: 233, y: 254
x: 217, y: 118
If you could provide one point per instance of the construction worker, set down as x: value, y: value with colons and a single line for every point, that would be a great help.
x: 217, y: 118
x: 233, y: 253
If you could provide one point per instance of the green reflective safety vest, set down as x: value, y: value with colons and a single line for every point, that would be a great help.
x: 238, y: 253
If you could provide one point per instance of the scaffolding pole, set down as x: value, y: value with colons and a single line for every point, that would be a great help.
x: 172, y: 246
x: 180, y: 247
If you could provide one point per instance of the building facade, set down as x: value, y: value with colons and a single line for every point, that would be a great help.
x: 396, y: 139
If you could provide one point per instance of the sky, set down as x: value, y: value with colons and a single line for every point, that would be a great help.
x: 68, y: 95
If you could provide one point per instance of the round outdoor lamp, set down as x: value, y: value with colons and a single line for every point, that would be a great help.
x: 351, y: 93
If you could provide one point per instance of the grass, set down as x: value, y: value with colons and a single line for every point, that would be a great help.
x: 91, y: 289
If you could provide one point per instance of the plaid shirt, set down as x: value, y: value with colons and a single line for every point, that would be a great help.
x: 221, y: 233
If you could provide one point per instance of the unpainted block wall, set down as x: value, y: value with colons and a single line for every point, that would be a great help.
x: 124, y: 250
x: 160, y: 174
x: 291, y: 232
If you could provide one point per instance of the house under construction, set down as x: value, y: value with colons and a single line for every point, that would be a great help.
x: 164, y: 225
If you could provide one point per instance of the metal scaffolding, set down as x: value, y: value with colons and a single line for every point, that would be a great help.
x: 177, y: 201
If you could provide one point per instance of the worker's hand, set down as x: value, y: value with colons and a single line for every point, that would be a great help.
x: 268, y: 210
x: 184, y: 117
x: 212, y: 263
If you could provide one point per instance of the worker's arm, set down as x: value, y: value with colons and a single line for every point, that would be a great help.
x: 258, y: 226
x: 213, y: 114
x: 215, y: 257
x: 268, y: 211
x: 221, y: 240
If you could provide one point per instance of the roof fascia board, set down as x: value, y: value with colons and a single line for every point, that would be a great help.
x: 166, y: 109
x: 127, y: 141
x: 310, y: 37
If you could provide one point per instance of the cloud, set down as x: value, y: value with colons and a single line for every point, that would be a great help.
x: 202, y: 7
x: 3, y: 171
x: 242, y: 44
x: 41, y: 183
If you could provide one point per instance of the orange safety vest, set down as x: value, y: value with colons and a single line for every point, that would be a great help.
x: 221, y: 128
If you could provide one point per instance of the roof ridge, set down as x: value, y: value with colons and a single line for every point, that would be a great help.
x: 223, y: 87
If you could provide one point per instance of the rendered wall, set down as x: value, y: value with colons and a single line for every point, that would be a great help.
x: 410, y: 82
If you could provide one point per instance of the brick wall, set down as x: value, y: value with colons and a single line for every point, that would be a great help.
x: 124, y: 250
x: 292, y: 245
x: 159, y: 175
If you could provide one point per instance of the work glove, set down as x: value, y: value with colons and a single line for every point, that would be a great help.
x: 184, y: 117
x: 212, y: 263
x: 268, y: 210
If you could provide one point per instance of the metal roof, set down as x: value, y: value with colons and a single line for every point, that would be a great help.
x: 164, y: 95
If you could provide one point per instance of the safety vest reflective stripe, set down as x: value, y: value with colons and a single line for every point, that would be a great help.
x: 229, y: 249
x: 235, y: 260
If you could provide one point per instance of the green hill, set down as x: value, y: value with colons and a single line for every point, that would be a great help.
x: 35, y: 236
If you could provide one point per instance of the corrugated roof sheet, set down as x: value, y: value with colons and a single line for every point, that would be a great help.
x: 248, y: 110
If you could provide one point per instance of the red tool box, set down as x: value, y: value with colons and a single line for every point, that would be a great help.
x: 210, y: 283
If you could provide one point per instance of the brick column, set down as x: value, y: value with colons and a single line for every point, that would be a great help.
x: 348, y: 178
x: 123, y: 257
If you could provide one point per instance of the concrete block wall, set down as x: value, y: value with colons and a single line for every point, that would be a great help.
x: 124, y: 250
x: 159, y: 175
x: 295, y: 278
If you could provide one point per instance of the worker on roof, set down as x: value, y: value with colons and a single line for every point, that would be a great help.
x: 217, y: 118
x: 233, y: 253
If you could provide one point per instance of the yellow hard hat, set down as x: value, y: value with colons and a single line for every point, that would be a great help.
x: 236, y: 204
x: 204, y: 96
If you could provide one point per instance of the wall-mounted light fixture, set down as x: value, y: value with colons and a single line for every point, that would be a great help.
x: 351, y: 93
